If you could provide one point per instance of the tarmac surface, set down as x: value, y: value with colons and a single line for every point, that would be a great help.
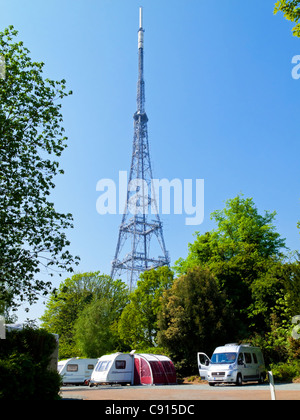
x: 181, y: 392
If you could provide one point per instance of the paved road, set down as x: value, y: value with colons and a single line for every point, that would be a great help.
x: 182, y: 392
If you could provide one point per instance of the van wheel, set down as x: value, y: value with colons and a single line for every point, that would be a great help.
x: 239, y: 380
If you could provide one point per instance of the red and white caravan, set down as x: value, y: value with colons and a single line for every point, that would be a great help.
x: 134, y: 369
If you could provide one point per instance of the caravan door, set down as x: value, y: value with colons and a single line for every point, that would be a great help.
x: 203, y: 365
x: 122, y: 370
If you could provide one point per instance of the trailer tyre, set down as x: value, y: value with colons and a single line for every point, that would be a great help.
x: 239, y: 380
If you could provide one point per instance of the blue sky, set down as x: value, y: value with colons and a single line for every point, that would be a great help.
x: 221, y: 102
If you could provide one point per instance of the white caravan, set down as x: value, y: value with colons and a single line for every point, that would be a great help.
x: 134, y: 369
x: 232, y: 363
x: 115, y: 368
x: 76, y: 371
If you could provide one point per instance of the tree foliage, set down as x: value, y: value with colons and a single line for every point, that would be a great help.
x: 24, y: 366
x: 194, y: 317
x: 241, y: 250
x: 138, y: 323
x: 241, y: 230
x: 291, y: 11
x: 96, y: 328
x: 31, y: 139
x: 80, y: 309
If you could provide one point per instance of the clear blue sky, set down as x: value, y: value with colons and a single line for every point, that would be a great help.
x: 221, y: 102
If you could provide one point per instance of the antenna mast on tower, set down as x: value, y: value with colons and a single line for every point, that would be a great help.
x: 140, y: 228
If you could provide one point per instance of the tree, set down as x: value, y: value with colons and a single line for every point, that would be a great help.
x: 239, y: 251
x: 25, y: 372
x: 96, y: 331
x: 138, y: 323
x: 68, y: 302
x: 280, y: 283
x: 194, y: 317
x: 291, y: 11
x: 31, y: 138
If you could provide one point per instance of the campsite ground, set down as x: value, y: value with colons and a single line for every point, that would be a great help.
x: 184, y: 392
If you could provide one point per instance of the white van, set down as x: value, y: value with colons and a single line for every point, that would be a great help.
x: 232, y: 363
x: 76, y: 371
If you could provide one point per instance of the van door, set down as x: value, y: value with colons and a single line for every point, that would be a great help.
x: 242, y: 366
x: 250, y: 369
x: 203, y: 365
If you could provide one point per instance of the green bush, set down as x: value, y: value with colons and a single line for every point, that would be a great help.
x: 286, y: 372
x: 24, y: 366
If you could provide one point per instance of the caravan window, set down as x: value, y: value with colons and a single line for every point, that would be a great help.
x: 103, y: 366
x: 120, y: 364
x: 90, y: 367
x: 72, y: 368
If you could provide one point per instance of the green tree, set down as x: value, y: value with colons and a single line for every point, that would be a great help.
x: 31, y: 138
x: 138, y: 322
x: 194, y: 317
x: 96, y: 328
x: 291, y: 11
x: 25, y: 373
x: 243, y: 247
x: 68, y: 302
x: 281, y: 283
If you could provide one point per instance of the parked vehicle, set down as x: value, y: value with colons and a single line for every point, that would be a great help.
x: 232, y: 363
x: 134, y: 369
x: 76, y: 371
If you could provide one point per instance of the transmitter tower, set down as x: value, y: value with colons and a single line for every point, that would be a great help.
x: 141, y: 228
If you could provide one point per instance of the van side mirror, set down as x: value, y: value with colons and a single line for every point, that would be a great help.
x: 206, y: 362
x: 240, y: 362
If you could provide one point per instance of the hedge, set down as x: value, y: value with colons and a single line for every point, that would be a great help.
x: 24, y: 366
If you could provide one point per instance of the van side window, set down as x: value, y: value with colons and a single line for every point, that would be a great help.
x: 120, y: 364
x: 248, y: 358
x: 254, y: 358
x: 72, y: 368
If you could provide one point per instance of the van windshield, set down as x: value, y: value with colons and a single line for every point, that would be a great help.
x: 223, y: 358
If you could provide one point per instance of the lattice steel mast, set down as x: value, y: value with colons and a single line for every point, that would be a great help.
x: 141, y: 220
